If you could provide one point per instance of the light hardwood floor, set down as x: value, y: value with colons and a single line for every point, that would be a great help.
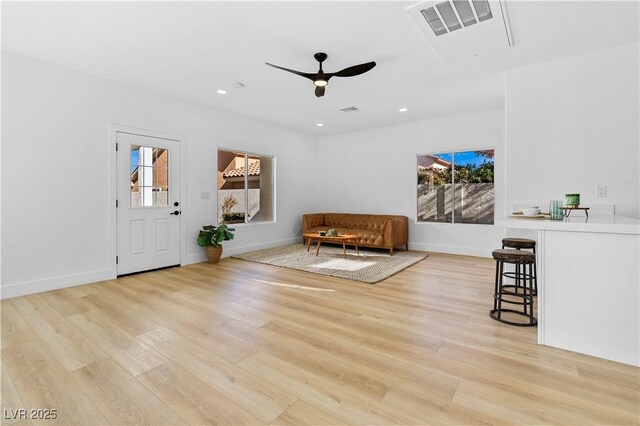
x: 244, y: 343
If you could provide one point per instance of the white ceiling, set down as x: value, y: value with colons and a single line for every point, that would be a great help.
x: 188, y: 50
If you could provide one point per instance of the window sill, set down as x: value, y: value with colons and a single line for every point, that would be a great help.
x: 450, y: 223
x: 242, y: 225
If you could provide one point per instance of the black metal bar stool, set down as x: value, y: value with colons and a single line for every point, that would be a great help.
x: 521, y: 244
x: 521, y: 259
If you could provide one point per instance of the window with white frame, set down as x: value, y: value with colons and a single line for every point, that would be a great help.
x: 246, y: 187
x: 456, y: 187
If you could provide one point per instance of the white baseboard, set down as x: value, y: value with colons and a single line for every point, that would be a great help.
x: 195, y: 258
x: 465, y: 251
x: 228, y: 252
x: 38, y: 286
x: 254, y: 247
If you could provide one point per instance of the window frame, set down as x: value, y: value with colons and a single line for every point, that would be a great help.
x: 247, y: 154
x: 453, y: 179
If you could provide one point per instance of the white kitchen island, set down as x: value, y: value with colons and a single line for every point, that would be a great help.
x: 588, y: 284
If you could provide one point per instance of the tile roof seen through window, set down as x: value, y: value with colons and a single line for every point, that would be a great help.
x: 254, y: 170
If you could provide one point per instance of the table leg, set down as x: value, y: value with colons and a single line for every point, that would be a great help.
x: 318, y: 249
x: 344, y: 249
x: 308, y: 244
x: 356, y: 244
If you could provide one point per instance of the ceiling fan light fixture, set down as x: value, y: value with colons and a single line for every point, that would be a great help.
x: 321, y: 79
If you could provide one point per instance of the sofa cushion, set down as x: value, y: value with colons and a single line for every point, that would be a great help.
x: 317, y: 229
x: 358, y: 221
x: 367, y: 236
x: 313, y: 220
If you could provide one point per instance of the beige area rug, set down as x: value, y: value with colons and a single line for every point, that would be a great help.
x: 370, y: 267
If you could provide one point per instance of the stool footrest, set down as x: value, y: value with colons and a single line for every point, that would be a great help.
x: 532, y: 320
x: 529, y: 292
x: 514, y: 275
x: 525, y: 300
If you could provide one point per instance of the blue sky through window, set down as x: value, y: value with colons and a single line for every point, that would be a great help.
x: 134, y: 160
x: 471, y: 157
x: 464, y: 158
x: 445, y: 157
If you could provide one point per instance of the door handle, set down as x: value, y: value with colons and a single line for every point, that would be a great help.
x: 176, y: 213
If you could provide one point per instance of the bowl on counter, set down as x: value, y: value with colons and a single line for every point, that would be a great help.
x: 531, y: 211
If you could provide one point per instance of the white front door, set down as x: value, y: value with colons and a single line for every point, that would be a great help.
x: 148, y: 203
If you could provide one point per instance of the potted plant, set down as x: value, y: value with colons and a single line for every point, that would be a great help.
x: 212, y: 237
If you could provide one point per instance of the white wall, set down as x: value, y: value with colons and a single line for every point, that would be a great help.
x: 570, y: 124
x: 374, y: 171
x: 55, y: 171
x: 573, y: 124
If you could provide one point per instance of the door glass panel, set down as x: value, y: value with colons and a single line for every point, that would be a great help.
x: 149, y: 176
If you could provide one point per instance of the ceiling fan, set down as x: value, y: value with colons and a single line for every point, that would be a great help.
x: 321, y: 79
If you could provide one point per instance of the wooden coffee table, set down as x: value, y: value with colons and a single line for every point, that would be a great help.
x: 344, y: 239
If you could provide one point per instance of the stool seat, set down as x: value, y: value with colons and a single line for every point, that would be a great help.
x: 514, y: 256
x: 518, y: 243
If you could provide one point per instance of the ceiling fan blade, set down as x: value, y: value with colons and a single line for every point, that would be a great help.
x: 303, y: 74
x: 354, y: 70
x: 320, y: 91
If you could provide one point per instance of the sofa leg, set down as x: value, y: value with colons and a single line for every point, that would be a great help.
x: 391, y: 251
x: 407, y: 246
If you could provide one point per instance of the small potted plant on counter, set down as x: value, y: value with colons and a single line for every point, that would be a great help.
x: 212, y: 237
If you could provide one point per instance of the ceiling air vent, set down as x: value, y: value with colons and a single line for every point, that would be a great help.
x: 463, y: 28
x: 349, y: 109
x: 448, y: 15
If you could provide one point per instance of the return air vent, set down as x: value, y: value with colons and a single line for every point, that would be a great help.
x: 463, y: 28
x: 448, y: 15
x: 349, y: 109
x: 467, y: 12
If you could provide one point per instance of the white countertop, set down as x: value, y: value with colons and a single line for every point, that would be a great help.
x: 605, y: 224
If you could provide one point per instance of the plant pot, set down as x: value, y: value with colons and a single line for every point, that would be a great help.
x: 214, y: 253
x: 572, y: 200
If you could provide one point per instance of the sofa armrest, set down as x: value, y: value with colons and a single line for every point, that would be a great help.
x: 396, y: 231
x: 312, y: 220
x: 388, y: 233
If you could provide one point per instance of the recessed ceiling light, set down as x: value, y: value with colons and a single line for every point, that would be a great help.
x: 221, y: 92
x: 319, y: 124
x: 403, y: 110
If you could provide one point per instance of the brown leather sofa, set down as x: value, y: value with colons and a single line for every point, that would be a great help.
x: 383, y: 231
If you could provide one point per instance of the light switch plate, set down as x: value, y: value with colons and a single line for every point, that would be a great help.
x: 601, y: 191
